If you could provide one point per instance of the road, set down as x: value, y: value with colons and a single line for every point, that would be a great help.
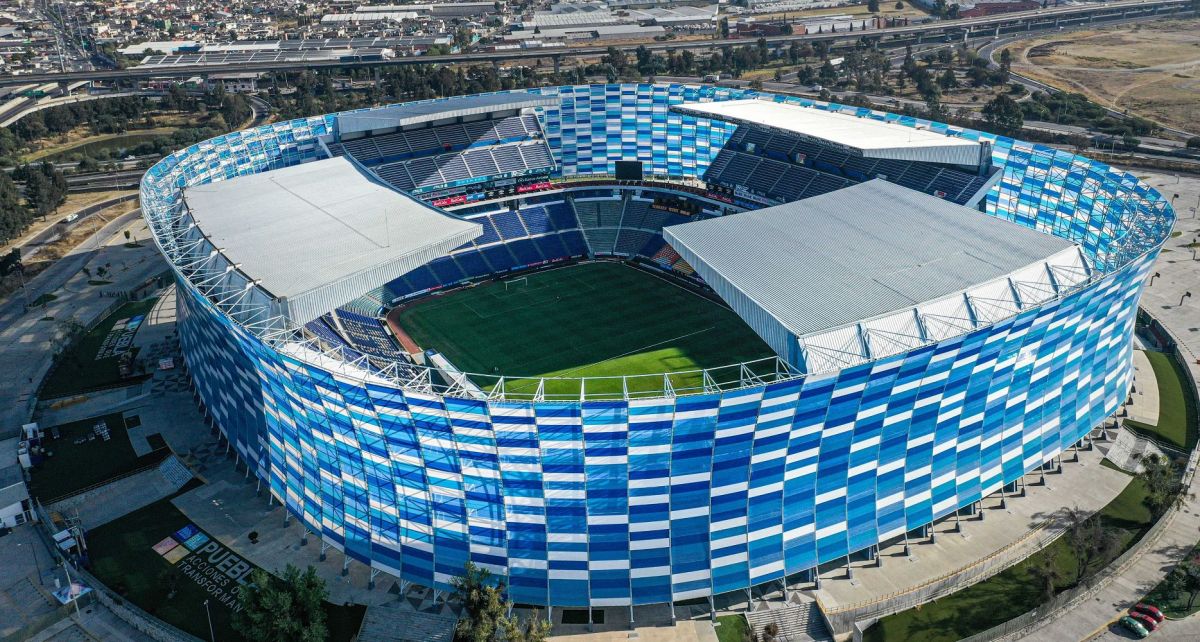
x: 1042, y: 19
x: 34, y: 242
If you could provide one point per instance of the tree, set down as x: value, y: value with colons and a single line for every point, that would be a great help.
x: 899, y: 5
x: 827, y: 74
x: 483, y: 604
x: 283, y: 609
x: 533, y: 629
x: 1163, y: 485
x: 1089, y: 539
x: 1003, y: 115
x: 947, y: 80
x: 1188, y: 580
x: 873, y: 6
x: 1193, y: 142
x: 1047, y: 573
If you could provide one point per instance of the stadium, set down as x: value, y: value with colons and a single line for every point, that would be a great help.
x: 638, y: 344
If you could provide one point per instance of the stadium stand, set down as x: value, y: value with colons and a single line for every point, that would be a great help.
x: 367, y: 335
x: 376, y: 150
x: 788, y: 168
x: 444, y: 169
x: 323, y: 328
x: 545, y: 228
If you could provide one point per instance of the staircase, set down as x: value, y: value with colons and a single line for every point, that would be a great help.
x: 390, y: 623
x: 798, y: 621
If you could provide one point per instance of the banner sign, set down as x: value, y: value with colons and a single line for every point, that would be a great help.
x: 208, y: 563
x: 120, y: 337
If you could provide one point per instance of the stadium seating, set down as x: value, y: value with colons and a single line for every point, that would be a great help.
x: 436, y: 140
x: 537, y: 219
x: 544, y: 228
x: 322, y: 329
x: 509, y: 224
x: 447, y: 271
x: 367, y: 335
x: 601, y: 239
x: 472, y: 264
x: 755, y: 159
x: 444, y: 169
x: 774, y: 179
x: 666, y: 256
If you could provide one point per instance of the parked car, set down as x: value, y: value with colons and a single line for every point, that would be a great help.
x: 1145, y: 620
x: 1151, y: 610
x: 1134, y: 627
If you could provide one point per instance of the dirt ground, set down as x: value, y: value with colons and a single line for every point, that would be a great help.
x: 1151, y: 69
x: 58, y: 249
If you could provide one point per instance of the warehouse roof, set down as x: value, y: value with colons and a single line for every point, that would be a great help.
x: 406, y: 114
x: 321, y: 234
x: 872, y: 138
x: 857, y: 253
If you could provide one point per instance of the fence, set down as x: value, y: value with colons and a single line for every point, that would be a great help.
x: 843, y: 618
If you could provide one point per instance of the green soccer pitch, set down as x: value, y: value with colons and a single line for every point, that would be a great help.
x: 586, y: 320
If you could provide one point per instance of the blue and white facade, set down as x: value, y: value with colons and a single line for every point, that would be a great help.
x: 642, y: 501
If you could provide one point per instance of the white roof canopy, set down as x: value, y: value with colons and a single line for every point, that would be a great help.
x: 872, y: 138
x: 875, y: 269
x: 321, y: 234
x: 405, y: 114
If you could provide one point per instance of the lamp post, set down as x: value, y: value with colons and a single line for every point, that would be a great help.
x: 211, y: 636
x: 1186, y: 295
x: 1152, y: 277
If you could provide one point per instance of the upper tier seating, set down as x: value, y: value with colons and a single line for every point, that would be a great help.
x: 443, y: 169
x: 435, y: 140
x: 775, y: 179
x: 946, y: 182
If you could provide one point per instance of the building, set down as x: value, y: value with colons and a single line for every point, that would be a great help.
x: 15, y: 507
x: 912, y: 399
x: 243, y: 83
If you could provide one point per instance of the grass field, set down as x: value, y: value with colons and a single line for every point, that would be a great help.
x: 1176, y: 414
x: 124, y: 559
x: 76, y: 466
x: 1016, y: 590
x: 586, y: 320
x: 78, y: 370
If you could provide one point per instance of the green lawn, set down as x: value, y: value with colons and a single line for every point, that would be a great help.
x: 1013, y: 591
x: 1176, y: 412
x: 78, y: 370
x: 74, y: 466
x: 732, y: 628
x: 124, y: 559
x: 591, y: 319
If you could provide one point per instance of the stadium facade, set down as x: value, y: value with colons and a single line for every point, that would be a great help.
x: 655, y: 499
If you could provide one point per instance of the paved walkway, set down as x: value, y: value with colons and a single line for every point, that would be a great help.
x: 1178, y: 274
x: 27, y: 338
x: 1144, y: 403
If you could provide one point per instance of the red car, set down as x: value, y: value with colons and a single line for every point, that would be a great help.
x: 1145, y: 620
x: 1149, y: 609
